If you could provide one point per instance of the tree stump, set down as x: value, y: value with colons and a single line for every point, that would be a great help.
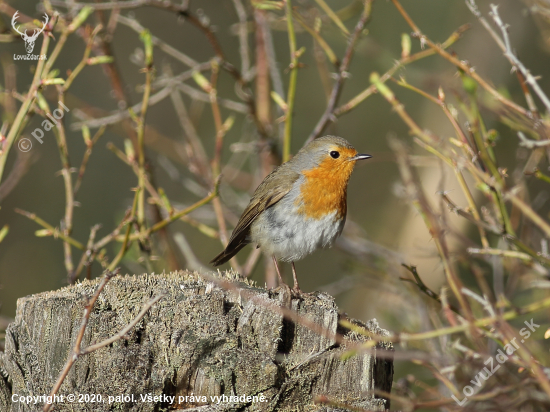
x: 200, y: 348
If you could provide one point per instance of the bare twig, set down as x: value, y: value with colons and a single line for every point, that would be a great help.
x: 405, y: 60
x: 342, y: 74
x: 243, y: 37
x: 462, y: 65
x: 175, y: 53
x: 120, y: 335
x: 89, y: 146
x: 471, y: 4
x: 168, y: 88
x: 515, y: 62
x: 421, y: 285
x: 78, y: 350
x: 418, y: 198
x: 77, y: 346
x: 292, y: 82
x: 140, y: 147
x: 274, y: 71
x: 128, y: 222
x: 87, y: 258
x: 531, y: 144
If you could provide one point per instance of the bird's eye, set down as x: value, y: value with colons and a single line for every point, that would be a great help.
x: 334, y: 154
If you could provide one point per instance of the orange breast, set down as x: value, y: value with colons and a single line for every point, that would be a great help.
x: 325, y: 188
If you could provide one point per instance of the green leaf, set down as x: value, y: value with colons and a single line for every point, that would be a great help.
x: 58, y: 80
x: 80, y: 18
x: 100, y: 60
x: 3, y: 232
x: 43, y: 233
x: 147, y: 40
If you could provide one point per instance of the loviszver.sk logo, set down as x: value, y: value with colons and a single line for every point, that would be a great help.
x: 29, y: 40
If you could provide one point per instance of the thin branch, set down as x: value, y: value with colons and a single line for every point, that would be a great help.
x: 89, y: 146
x: 79, y: 351
x: 67, y: 180
x: 120, y: 335
x: 244, y: 91
x: 462, y: 65
x: 531, y: 144
x: 292, y: 82
x: 418, y: 282
x: 528, y: 212
x: 351, y: 104
x: 243, y: 37
x: 168, y: 88
x: 342, y: 74
x: 515, y: 62
x: 333, y: 16
x: 419, y: 200
x: 274, y: 71
x: 128, y: 222
x: 166, y: 48
x: 87, y: 257
x: 130, y: 4
x: 499, y: 252
x: 52, y: 230
x: 140, y: 147
x: 471, y: 4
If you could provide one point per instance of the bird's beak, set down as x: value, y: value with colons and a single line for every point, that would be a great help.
x: 360, y: 156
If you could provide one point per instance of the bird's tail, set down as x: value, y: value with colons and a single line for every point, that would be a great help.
x: 227, y: 253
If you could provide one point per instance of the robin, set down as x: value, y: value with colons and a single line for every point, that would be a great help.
x: 298, y: 207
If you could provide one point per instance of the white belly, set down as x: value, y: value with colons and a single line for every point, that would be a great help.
x: 290, y: 236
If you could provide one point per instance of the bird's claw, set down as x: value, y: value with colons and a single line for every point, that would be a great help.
x: 296, y: 291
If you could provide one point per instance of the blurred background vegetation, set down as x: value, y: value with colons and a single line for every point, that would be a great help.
x: 452, y: 191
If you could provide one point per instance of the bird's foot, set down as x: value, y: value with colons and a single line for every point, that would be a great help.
x: 297, y: 292
x: 296, y: 289
x: 285, y: 294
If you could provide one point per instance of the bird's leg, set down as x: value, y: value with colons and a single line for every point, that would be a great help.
x: 278, y: 271
x: 296, y: 287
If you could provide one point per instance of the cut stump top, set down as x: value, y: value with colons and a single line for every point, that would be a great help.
x: 202, y: 340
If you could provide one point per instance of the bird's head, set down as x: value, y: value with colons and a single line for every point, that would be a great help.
x: 328, y: 155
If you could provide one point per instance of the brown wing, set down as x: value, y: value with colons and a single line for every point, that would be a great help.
x: 273, y: 188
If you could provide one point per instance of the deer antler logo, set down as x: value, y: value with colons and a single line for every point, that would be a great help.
x: 29, y: 40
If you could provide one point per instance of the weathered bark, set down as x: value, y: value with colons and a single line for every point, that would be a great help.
x: 198, y: 340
